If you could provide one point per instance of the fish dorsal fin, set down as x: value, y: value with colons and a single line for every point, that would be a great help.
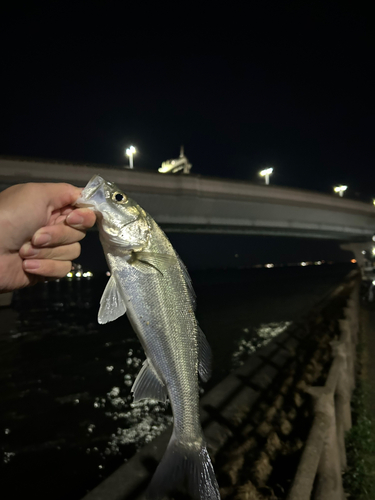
x: 111, y: 304
x: 150, y: 262
x: 188, y: 282
x: 148, y: 384
x: 204, y: 356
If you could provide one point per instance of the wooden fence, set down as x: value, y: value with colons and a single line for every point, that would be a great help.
x: 319, y: 474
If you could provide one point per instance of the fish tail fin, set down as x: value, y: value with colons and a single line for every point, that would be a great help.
x: 184, y: 465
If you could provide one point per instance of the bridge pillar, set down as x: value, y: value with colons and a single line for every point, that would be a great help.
x: 357, y: 249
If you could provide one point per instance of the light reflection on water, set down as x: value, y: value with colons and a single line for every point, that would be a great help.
x: 144, y: 421
x: 140, y: 422
x: 60, y: 368
x: 65, y: 401
x: 255, y: 338
x: 56, y: 324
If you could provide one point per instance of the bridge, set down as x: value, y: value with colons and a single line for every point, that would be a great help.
x: 188, y: 203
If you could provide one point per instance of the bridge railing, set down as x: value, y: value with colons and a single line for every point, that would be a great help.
x: 324, y: 457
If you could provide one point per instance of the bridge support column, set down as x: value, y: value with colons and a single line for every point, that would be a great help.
x: 357, y: 249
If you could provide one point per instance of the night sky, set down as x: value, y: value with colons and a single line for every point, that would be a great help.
x: 287, y: 84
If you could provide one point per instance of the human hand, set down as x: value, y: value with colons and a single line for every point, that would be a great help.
x: 39, y: 232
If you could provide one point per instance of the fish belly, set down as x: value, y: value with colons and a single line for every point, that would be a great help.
x: 160, y: 312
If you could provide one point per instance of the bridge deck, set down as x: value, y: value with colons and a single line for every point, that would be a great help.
x: 187, y: 203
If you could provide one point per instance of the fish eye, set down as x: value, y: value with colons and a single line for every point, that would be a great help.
x: 119, y: 197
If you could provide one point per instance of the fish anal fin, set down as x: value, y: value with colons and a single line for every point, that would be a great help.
x: 204, y: 357
x: 149, y: 385
x: 111, y: 304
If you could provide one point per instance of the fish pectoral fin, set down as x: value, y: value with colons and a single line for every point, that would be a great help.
x: 111, y: 304
x: 204, y: 356
x: 149, y: 262
x: 148, y: 384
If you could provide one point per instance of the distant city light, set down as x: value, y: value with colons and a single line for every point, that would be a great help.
x: 269, y: 266
x: 130, y: 152
x: 373, y: 283
x: 303, y: 264
x: 79, y: 274
x: 266, y: 174
x: 373, y: 250
x: 373, y: 238
x: 364, y: 252
x: 353, y: 261
x: 108, y: 273
x: 318, y: 263
x: 340, y: 190
x: 373, y: 201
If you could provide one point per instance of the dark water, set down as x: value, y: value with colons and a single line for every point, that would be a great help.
x: 66, y: 414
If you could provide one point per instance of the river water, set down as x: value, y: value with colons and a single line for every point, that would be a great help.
x: 66, y: 414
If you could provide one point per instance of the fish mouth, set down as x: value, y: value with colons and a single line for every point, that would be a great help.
x: 86, y: 199
x: 92, y: 187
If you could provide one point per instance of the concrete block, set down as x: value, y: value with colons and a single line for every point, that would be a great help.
x: 250, y: 366
x: 290, y: 344
x: 264, y: 378
x: 281, y: 357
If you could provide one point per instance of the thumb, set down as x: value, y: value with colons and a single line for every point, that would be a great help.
x: 60, y: 195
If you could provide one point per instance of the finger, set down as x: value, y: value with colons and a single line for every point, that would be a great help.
x: 47, y: 268
x: 81, y: 218
x: 66, y: 210
x: 62, y: 194
x: 64, y: 252
x: 57, y: 214
x: 56, y: 235
x: 59, y: 220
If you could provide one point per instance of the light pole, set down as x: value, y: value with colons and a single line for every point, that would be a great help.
x: 266, y: 174
x: 130, y: 152
x: 340, y: 190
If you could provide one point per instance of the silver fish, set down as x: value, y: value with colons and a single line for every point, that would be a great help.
x: 151, y: 284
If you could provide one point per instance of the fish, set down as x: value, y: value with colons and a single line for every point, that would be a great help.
x: 150, y: 283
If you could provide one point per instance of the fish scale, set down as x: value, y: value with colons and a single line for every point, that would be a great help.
x: 171, y: 346
x: 150, y: 283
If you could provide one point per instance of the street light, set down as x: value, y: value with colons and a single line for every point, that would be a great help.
x: 340, y: 190
x: 130, y: 152
x: 266, y: 174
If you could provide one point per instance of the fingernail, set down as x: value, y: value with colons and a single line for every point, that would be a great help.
x: 30, y: 265
x: 41, y: 239
x: 29, y: 251
x: 74, y: 219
